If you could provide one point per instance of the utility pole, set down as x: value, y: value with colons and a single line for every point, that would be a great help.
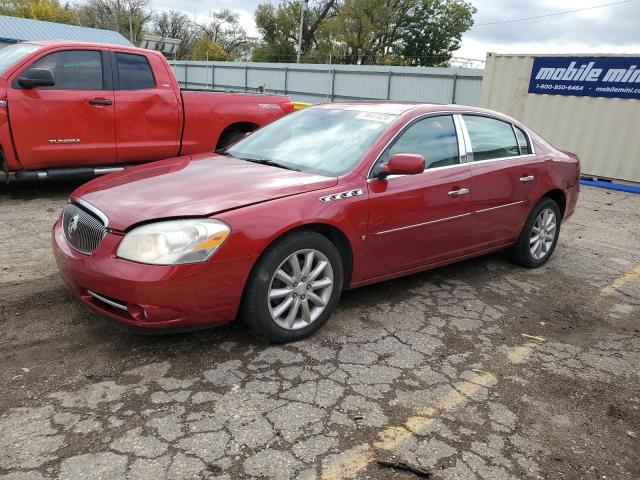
x: 302, y: 9
x: 131, y: 30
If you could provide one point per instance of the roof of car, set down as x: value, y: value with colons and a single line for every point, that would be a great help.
x: 73, y: 43
x: 387, y: 107
x: 398, y: 108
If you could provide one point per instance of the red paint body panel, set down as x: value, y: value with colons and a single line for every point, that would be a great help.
x: 198, y: 185
x: 396, y: 226
x: 438, y: 224
x: 184, y: 296
x: 37, y: 116
x: 139, y: 126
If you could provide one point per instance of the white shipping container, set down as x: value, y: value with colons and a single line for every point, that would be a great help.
x: 604, y: 132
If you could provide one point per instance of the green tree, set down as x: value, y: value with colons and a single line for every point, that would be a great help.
x: 177, y: 25
x: 221, y: 37
x: 434, y: 31
x: 279, y: 29
x: 131, y: 18
x: 400, y: 32
x: 366, y: 29
x: 46, y: 10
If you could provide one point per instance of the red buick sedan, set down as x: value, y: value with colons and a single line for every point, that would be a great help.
x: 332, y: 197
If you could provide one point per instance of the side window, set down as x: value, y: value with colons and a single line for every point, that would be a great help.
x: 434, y: 138
x: 490, y: 138
x: 134, y: 72
x: 523, y: 142
x: 73, y: 69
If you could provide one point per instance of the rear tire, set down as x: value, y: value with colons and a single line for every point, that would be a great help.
x: 284, y: 303
x: 539, y: 235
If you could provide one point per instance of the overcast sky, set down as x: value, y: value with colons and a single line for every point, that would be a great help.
x: 612, y: 29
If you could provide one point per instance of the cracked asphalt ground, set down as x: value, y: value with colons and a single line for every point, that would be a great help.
x: 476, y: 370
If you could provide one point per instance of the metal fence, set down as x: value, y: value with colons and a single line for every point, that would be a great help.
x: 329, y: 83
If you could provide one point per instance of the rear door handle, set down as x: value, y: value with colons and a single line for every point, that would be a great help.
x: 100, y: 101
x: 527, y: 179
x: 458, y: 192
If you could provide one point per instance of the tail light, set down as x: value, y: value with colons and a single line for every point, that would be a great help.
x: 287, y: 107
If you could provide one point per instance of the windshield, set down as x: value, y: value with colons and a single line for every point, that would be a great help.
x: 10, y: 55
x: 324, y: 141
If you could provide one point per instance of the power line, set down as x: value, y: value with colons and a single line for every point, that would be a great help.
x: 553, y: 14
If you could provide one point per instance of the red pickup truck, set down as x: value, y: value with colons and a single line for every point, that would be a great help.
x: 75, y: 109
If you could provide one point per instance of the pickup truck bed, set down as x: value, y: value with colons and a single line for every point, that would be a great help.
x: 71, y: 108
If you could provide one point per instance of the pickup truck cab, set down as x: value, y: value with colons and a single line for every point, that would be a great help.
x: 69, y: 108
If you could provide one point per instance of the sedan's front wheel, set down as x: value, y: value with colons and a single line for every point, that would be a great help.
x: 539, y: 236
x: 293, y: 288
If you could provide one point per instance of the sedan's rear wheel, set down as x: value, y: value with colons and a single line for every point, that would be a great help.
x: 293, y: 288
x: 539, y: 235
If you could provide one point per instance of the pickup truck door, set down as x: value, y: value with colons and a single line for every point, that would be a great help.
x: 148, y: 108
x: 70, y: 123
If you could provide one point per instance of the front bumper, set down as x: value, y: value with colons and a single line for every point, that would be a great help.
x: 152, y: 296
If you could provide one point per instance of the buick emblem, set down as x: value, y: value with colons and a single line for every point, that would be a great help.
x: 73, y: 226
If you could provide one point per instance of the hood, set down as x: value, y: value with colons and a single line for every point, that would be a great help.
x: 198, y: 185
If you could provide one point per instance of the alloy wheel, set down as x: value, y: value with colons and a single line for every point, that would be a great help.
x: 543, y: 234
x: 300, y: 289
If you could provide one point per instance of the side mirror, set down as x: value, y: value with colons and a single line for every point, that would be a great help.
x: 404, y: 164
x: 37, y: 77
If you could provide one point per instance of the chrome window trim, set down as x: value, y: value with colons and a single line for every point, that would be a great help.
x: 404, y: 129
x: 504, y: 158
x: 467, y: 140
x: 463, y: 152
x: 526, y: 136
x: 513, y: 125
x: 446, y: 167
x: 468, y: 153
x: 93, y: 210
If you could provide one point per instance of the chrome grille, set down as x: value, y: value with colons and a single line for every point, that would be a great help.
x: 83, y: 230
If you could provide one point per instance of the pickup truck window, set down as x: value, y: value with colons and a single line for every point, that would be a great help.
x: 12, y: 54
x: 134, y: 72
x: 73, y: 69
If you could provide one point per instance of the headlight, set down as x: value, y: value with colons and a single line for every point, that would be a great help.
x: 174, y: 242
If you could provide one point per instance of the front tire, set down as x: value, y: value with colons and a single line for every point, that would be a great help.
x: 293, y: 288
x: 539, y: 235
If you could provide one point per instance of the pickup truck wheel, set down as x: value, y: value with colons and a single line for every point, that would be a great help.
x: 539, y: 236
x: 294, y: 288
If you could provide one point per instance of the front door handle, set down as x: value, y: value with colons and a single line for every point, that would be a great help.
x: 527, y: 179
x: 458, y: 192
x: 100, y: 101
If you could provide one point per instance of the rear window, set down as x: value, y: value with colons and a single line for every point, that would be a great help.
x: 134, y: 72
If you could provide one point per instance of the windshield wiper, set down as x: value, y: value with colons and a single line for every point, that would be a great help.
x: 269, y: 162
x: 223, y: 151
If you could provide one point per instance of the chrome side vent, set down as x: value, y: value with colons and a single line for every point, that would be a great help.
x: 83, y: 230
